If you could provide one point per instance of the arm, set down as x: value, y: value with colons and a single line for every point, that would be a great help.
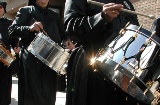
x: 79, y: 24
x: 18, y: 29
x: 84, y: 23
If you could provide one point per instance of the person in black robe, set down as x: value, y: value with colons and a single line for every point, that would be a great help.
x: 37, y: 81
x: 5, y: 71
x: 15, y: 64
x: 94, y: 27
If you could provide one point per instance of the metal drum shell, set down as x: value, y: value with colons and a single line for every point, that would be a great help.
x: 123, y: 76
x: 5, y: 56
x: 49, y: 53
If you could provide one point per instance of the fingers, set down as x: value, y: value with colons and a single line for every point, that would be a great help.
x: 69, y: 45
x: 36, y: 26
x: 17, y: 49
x: 110, y: 11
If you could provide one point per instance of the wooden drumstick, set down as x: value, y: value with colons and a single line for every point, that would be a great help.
x: 123, y: 10
x: 41, y: 28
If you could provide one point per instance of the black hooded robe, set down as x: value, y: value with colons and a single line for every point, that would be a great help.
x: 5, y: 72
x: 85, y: 25
x: 37, y: 82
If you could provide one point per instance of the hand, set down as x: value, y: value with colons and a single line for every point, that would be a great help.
x: 110, y: 11
x: 69, y: 45
x: 36, y: 26
x: 16, y: 50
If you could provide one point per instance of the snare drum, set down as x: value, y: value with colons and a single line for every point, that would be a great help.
x: 49, y: 53
x: 126, y: 59
x: 5, y: 56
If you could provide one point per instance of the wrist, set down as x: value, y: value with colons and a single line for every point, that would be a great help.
x: 105, y: 17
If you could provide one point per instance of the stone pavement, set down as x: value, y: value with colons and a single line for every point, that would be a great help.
x: 59, y: 101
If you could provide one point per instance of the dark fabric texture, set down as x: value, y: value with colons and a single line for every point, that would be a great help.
x: 5, y: 72
x: 4, y: 24
x: 85, y: 25
x: 37, y: 82
x: 4, y: 5
x: 154, y: 71
x: 31, y: 2
x: 15, y: 65
x: 6, y: 85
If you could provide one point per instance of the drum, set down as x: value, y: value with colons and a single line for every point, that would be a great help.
x: 5, y: 56
x: 49, y: 52
x: 127, y: 60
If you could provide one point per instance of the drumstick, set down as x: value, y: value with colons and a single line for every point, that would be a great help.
x: 41, y: 28
x: 123, y: 10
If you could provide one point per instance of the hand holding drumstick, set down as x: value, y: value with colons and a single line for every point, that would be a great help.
x: 110, y: 11
x: 37, y: 26
x: 114, y: 10
x: 69, y: 45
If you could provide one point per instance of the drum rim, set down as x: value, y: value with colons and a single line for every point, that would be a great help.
x: 144, y: 32
x: 121, y: 69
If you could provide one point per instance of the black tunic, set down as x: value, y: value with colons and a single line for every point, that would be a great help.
x: 5, y: 73
x: 37, y: 82
x: 85, y: 25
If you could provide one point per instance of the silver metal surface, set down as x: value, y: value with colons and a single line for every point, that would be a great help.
x: 4, y: 54
x: 125, y: 73
x: 49, y: 53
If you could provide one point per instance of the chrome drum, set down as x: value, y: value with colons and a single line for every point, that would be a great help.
x: 49, y: 53
x: 125, y: 62
x: 5, y: 56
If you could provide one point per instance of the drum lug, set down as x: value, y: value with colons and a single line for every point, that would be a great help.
x: 149, y: 84
x: 100, y: 52
x: 126, y: 98
x: 122, y: 31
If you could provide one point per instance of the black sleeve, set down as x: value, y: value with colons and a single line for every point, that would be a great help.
x: 80, y: 26
x: 156, y: 27
x: 14, y: 42
x: 18, y: 29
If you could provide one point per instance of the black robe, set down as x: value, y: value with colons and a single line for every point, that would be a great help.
x: 154, y: 72
x: 5, y: 72
x: 85, y: 25
x: 37, y: 82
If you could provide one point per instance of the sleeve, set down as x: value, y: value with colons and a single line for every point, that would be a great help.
x: 61, y: 28
x: 132, y: 18
x: 78, y: 24
x: 156, y: 27
x: 14, y: 42
x: 18, y: 29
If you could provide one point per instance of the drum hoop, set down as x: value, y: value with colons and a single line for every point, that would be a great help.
x: 144, y: 32
x: 5, y: 51
x: 124, y: 71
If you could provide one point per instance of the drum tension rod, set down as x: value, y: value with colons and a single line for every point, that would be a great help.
x: 144, y: 45
x: 124, y: 58
x: 137, y: 31
x: 150, y: 38
x: 149, y: 84
x: 122, y: 31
